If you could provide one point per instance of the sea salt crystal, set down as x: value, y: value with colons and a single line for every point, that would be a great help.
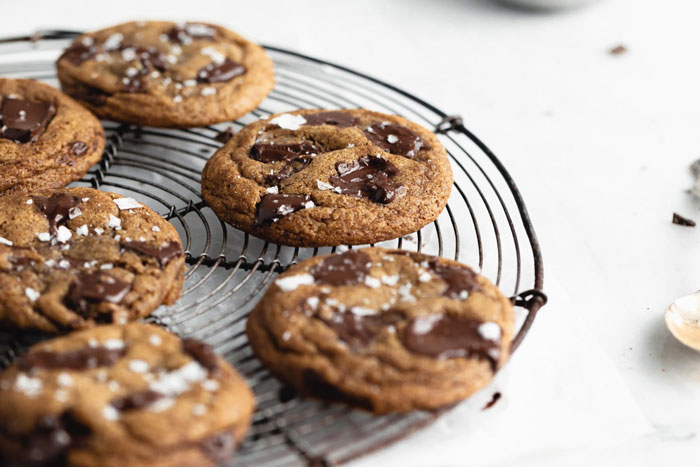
x: 114, y: 222
x: 127, y: 203
x: 31, y: 387
x: 63, y: 234
x: 82, y: 230
x: 208, y: 91
x: 490, y: 331
x: 31, y: 294
x: 139, y: 366
x: 44, y: 236
x: 288, y: 121
x: 289, y: 283
x: 4, y: 241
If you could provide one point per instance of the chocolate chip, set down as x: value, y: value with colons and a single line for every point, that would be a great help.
x: 680, y: 220
x: 164, y: 253
x: 90, y: 357
x: 136, y: 400
x: 95, y: 287
x: 202, y: 353
x: 21, y: 121
x: 78, y: 148
x: 444, y: 336
x: 220, y: 72
x: 348, y: 268
x: 396, y: 139
x: 368, y: 177
x: 56, y: 208
x: 273, y: 207
x: 273, y: 152
x: 333, y: 118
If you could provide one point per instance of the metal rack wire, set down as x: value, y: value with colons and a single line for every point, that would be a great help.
x: 485, y: 224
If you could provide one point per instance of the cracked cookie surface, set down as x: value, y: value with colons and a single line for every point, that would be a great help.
x: 383, y: 330
x: 323, y: 178
x: 165, y: 74
x: 121, y: 395
x: 74, y: 257
x: 47, y: 140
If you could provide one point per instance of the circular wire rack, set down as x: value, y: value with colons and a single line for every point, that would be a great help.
x: 485, y: 224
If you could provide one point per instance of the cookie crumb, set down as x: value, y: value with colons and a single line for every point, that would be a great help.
x: 618, y: 50
x: 495, y: 398
x: 225, y: 135
x: 684, y: 221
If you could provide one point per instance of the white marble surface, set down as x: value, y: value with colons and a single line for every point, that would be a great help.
x: 599, y: 146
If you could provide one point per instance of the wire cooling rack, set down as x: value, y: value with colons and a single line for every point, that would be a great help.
x: 485, y: 224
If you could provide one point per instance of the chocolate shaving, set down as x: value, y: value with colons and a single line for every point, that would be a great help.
x: 680, y: 220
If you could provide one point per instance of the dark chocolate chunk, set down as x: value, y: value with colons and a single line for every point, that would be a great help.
x: 495, y: 398
x: 334, y: 118
x: 396, y: 139
x: 185, y: 33
x: 202, y: 353
x: 273, y: 207
x: 291, y: 167
x: 56, y: 208
x: 444, y: 336
x: 163, y: 253
x: 21, y: 121
x: 315, y: 384
x: 79, y: 148
x: 349, y: 268
x: 151, y: 58
x: 136, y: 400
x: 358, y: 331
x: 273, y: 152
x: 460, y: 281
x: 96, y: 287
x: 368, y: 177
x: 225, y: 135
x: 680, y: 220
x: 220, y: 447
x: 77, y: 53
x: 51, y: 439
x: 220, y: 72
x: 90, y: 357
x: 94, y: 96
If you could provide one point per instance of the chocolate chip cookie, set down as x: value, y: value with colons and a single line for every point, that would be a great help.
x: 383, y: 330
x: 165, y: 74
x: 46, y: 138
x: 121, y: 395
x: 74, y: 257
x: 323, y: 178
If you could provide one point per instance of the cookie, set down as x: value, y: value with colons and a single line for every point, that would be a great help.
x: 383, y: 330
x: 74, y: 257
x: 323, y: 178
x: 121, y: 395
x: 164, y: 74
x: 47, y: 140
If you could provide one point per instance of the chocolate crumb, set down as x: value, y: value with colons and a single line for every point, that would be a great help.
x: 680, y: 220
x: 618, y: 50
x: 495, y: 398
x: 225, y: 135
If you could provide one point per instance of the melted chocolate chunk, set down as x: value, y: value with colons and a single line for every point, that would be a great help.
x: 185, y: 33
x: 273, y: 207
x: 369, y: 177
x: 151, y: 58
x: 56, y: 208
x: 77, y: 53
x: 220, y: 72
x: 96, y: 287
x: 396, y: 139
x: 273, y: 152
x: 78, y: 148
x: 51, y: 439
x: 349, y: 268
x: 358, y: 331
x: 163, y: 253
x: 220, y: 447
x: 315, y: 384
x: 226, y: 135
x: 334, y: 118
x: 21, y: 121
x: 443, y: 336
x: 90, y: 357
x: 460, y: 281
x: 136, y: 400
x: 94, y: 96
x: 291, y: 167
x: 202, y: 353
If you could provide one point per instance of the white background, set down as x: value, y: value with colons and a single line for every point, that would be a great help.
x: 600, y: 146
